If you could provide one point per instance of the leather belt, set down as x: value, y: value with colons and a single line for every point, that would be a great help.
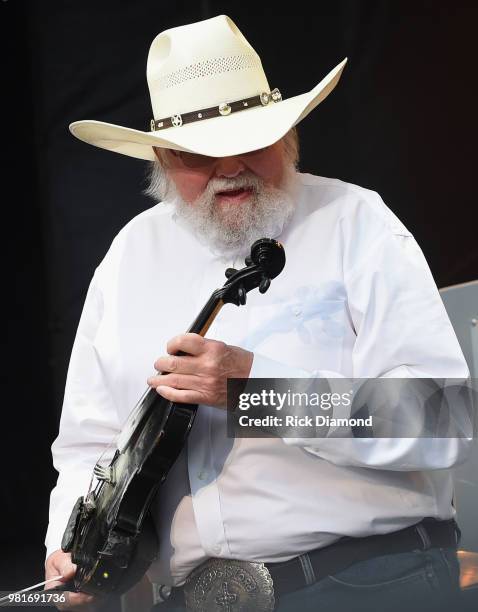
x: 243, y: 584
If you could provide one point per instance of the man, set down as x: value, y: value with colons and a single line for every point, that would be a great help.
x: 356, y: 299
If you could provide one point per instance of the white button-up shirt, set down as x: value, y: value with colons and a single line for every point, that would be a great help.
x: 356, y: 299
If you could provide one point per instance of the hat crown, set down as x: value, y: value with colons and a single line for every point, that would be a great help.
x: 201, y: 65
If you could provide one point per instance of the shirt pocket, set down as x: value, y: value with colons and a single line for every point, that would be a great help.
x: 304, y: 333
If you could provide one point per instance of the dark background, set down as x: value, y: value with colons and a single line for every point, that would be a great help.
x: 400, y: 122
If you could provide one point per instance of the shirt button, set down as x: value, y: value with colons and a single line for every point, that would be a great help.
x: 297, y: 311
x: 202, y: 475
x: 216, y: 550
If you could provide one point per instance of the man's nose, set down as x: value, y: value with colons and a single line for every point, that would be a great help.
x: 229, y: 167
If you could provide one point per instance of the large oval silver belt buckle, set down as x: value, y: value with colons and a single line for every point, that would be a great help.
x: 227, y: 585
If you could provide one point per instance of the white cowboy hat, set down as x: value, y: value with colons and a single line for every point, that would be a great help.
x: 209, y: 96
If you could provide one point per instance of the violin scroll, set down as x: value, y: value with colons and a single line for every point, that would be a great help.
x: 269, y: 255
x: 266, y: 261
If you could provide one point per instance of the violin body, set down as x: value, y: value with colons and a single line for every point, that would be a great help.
x: 112, y: 530
x: 110, y: 533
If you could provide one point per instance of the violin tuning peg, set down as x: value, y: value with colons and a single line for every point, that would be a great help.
x: 229, y: 272
x: 265, y: 284
x: 248, y: 261
x: 242, y: 295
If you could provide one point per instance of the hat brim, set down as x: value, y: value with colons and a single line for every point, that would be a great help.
x: 233, y: 134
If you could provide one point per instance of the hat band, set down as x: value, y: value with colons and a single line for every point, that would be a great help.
x: 224, y: 109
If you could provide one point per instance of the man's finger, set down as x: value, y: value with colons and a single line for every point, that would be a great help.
x: 193, y: 344
x: 181, y: 364
x: 60, y: 563
x: 177, y: 381
x: 52, y: 585
x: 181, y: 396
x: 66, y: 568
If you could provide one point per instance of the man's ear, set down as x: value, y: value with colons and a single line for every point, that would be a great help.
x: 159, y: 152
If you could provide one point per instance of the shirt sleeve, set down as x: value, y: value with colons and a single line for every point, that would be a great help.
x: 402, y: 331
x: 89, y: 422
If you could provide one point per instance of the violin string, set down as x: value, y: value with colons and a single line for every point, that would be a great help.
x: 114, y: 440
x: 136, y: 409
x: 108, y: 446
x: 127, y: 429
x: 30, y: 588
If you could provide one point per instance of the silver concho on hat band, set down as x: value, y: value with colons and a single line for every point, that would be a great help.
x: 224, y: 108
x: 229, y: 585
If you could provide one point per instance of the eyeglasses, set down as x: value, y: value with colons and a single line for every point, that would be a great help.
x: 195, y: 160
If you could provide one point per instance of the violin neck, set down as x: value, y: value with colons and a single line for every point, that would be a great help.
x: 207, y: 315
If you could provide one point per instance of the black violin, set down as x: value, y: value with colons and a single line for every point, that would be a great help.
x: 110, y: 533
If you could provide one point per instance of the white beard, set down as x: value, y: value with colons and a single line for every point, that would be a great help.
x: 229, y: 230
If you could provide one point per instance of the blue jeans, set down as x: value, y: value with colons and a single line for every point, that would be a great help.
x: 405, y: 582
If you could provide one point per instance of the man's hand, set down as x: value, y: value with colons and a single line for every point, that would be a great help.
x: 200, y: 377
x: 58, y: 563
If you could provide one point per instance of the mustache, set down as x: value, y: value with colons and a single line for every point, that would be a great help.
x: 243, y: 181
